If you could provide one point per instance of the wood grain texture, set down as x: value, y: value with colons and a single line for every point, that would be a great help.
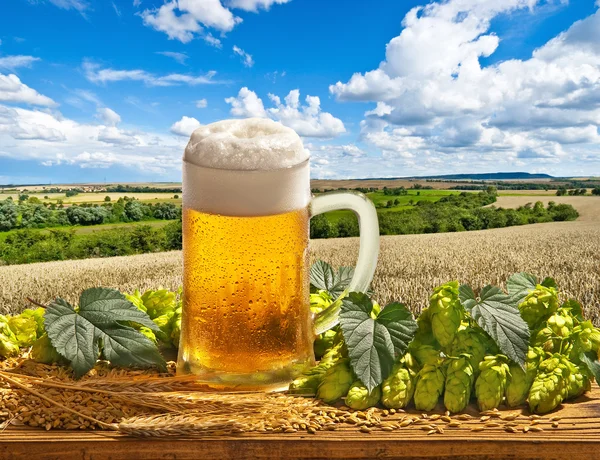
x: 577, y: 436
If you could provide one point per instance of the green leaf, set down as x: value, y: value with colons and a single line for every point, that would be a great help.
x: 549, y: 283
x: 591, y: 361
x: 467, y: 297
x: 374, y: 344
x: 323, y: 276
x: 519, y: 285
x: 78, y: 334
x: 497, y: 316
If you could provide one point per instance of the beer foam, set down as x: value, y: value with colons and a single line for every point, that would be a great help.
x: 253, y: 167
x: 249, y: 145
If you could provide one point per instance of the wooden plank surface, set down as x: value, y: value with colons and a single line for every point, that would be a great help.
x: 577, y: 436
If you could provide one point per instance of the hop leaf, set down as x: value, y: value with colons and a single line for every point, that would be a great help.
x: 491, y: 383
x: 459, y: 382
x: 323, y: 277
x: 360, y: 398
x: 77, y: 333
x: 429, y: 386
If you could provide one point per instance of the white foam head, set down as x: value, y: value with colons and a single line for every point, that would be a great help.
x: 252, y: 167
x: 250, y: 145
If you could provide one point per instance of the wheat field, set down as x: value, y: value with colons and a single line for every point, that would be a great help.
x: 409, y: 266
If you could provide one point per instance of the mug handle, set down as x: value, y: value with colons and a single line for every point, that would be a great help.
x: 367, y: 253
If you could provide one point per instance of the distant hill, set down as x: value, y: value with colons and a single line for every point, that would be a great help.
x: 489, y: 176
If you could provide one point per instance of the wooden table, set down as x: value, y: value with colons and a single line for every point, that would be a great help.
x: 576, y: 437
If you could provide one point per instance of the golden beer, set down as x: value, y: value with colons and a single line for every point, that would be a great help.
x: 246, y: 293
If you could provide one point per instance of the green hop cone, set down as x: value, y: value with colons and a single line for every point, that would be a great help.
x: 359, y: 398
x: 38, y: 316
x: 324, y: 342
x: 586, y: 338
x: 491, y: 383
x: 8, y: 346
x: 397, y: 390
x: 473, y: 340
x: 24, y: 329
x: 176, y: 326
x: 521, y: 380
x: 44, y: 352
x: 319, y: 301
x: 459, y: 383
x: 308, y: 383
x: 539, y: 305
x: 550, y: 386
x: 446, y: 313
x: 136, y: 299
x: 164, y: 322
x: 336, y: 381
x: 159, y: 302
x: 579, y: 380
x: 561, y: 324
x: 425, y: 354
x: 148, y: 333
x: 429, y: 386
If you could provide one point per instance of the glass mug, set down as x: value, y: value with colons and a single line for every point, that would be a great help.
x: 246, y: 321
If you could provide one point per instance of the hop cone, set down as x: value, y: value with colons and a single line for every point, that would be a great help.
x: 324, y: 342
x: 320, y: 301
x: 491, y: 383
x: 459, y: 382
x: 446, y: 313
x: 579, y: 380
x: 359, y: 398
x: 585, y: 338
x: 550, y: 386
x: 538, y: 305
x: 159, y: 302
x: 521, y: 380
x: 43, y: 351
x: 336, y: 382
x: 425, y: 354
x: 397, y: 390
x: 474, y: 342
x: 308, y: 383
x: 8, y: 341
x: 429, y: 386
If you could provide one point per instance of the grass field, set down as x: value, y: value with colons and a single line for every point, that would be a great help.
x: 409, y: 265
x: 97, y: 197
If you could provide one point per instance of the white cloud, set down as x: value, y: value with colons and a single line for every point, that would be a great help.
x: 179, y: 57
x: 13, y: 90
x: 117, y: 10
x: 212, y: 41
x: 95, y: 74
x: 108, y: 116
x: 137, y: 3
x: 185, y: 127
x: 183, y: 20
x: 255, y: 5
x: 436, y: 104
x: 247, y: 104
x: 14, y: 62
x: 79, y: 5
x: 201, y: 103
x: 246, y: 58
x: 51, y: 139
x: 307, y: 120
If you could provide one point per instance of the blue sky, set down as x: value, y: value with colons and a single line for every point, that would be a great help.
x: 112, y: 89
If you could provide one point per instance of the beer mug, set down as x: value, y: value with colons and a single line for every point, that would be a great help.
x: 247, y: 204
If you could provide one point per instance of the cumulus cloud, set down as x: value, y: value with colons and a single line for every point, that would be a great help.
x: 436, y: 104
x: 14, y: 62
x: 14, y: 91
x: 96, y: 74
x: 179, y: 57
x: 307, y: 120
x: 185, y: 127
x: 108, y: 116
x: 246, y: 58
x: 201, y: 103
x: 52, y: 139
x: 184, y: 20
